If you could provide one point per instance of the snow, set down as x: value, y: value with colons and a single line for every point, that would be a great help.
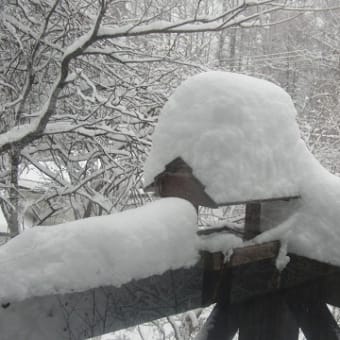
x: 251, y: 2
x: 219, y: 242
x: 312, y: 229
x: 240, y: 137
x: 99, y: 251
x: 233, y: 131
x: 282, y: 259
x: 16, y: 133
x: 160, y: 26
x: 3, y: 223
x: 200, y: 24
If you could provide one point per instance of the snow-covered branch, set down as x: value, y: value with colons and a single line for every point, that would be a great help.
x: 82, y: 83
x: 187, y: 26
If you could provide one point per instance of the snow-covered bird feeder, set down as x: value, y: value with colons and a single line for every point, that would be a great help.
x: 225, y: 139
x: 222, y: 139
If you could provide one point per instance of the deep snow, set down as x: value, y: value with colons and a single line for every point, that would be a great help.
x: 99, y: 251
x: 240, y: 137
x: 234, y: 131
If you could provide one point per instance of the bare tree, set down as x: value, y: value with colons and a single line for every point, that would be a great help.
x: 81, y: 86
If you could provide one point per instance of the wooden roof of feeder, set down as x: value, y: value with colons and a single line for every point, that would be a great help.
x: 178, y: 180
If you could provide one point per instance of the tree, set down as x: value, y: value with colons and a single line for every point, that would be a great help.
x: 81, y: 85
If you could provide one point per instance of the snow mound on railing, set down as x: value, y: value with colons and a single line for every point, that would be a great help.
x: 99, y: 251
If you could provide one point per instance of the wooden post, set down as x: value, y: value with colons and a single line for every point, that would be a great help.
x: 220, y: 325
x: 252, y: 221
x: 331, y: 289
x: 312, y: 314
x: 267, y: 318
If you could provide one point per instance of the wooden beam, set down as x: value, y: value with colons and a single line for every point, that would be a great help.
x: 301, y: 270
x: 177, y: 180
x: 222, y: 324
x: 331, y: 289
x: 254, y: 273
x: 254, y: 253
x: 215, y: 271
x: 260, y: 200
x: 267, y: 318
x: 312, y: 314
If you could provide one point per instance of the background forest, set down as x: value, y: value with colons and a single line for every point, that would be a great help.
x: 82, y: 83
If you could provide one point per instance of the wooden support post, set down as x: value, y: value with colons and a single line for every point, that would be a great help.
x: 312, y: 314
x: 252, y: 221
x: 267, y: 318
x: 220, y: 325
x: 331, y: 289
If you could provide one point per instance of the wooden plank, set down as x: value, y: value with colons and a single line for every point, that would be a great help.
x: 262, y: 277
x: 184, y: 186
x: 312, y: 314
x: 222, y: 324
x: 260, y: 200
x: 302, y: 270
x: 178, y: 181
x: 250, y: 272
x: 254, y: 273
x: 253, y: 280
x: 216, y: 279
x: 331, y: 289
x: 254, y: 253
x: 267, y: 318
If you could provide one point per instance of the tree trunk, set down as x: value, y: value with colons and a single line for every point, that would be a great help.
x: 13, y: 218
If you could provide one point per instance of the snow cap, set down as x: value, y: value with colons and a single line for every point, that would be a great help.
x: 236, y: 132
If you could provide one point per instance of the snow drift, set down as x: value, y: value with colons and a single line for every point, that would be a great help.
x: 99, y: 251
